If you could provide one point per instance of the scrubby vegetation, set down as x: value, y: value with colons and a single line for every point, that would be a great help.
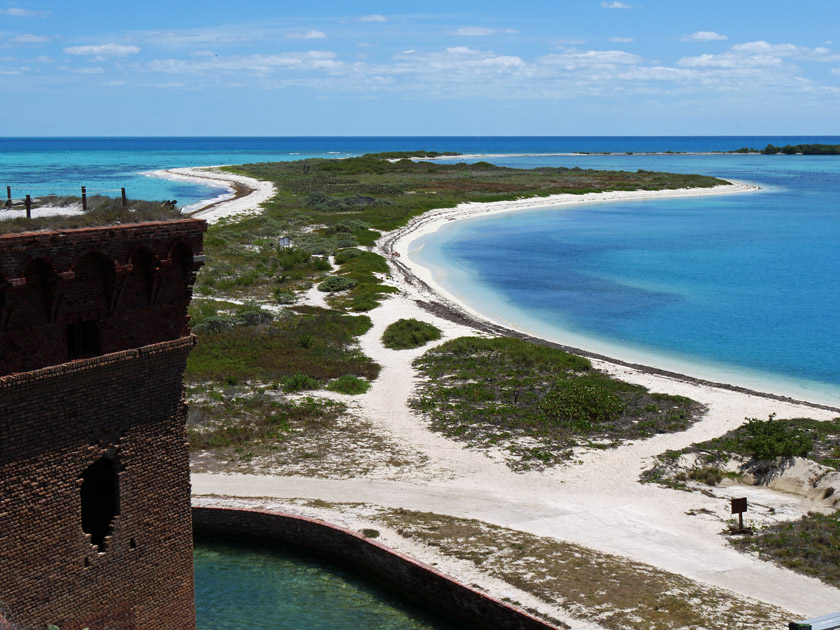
x: 536, y: 402
x: 101, y: 211
x: 255, y: 420
x: 349, y: 384
x: 810, y: 545
x: 755, y: 440
x: 805, y: 149
x: 309, y: 341
x: 404, y: 334
x: 610, y: 591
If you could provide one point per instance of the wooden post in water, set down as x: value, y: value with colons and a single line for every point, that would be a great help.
x: 28, y: 203
x: 124, y: 198
x: 8, y: 196
x: 84, y: 198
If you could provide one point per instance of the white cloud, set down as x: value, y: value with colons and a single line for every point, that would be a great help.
x: 835, y: 71
x: 307, y: 35
x: 28, y: 38
x: 260, y: 65
x: 704, y: 36
x: 90, y: 70
x: 373, y: 18
x: 615, y: 5
x: 473, y: 31
x: 622, y: 40
x: 18, y: 12
x: 103, y: 50
x: 759, y: 54
x: 574, y: 59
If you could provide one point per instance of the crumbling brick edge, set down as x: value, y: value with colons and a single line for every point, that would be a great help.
x: 416, y: 579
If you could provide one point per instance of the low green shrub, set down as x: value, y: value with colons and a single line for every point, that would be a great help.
x: 581, y: 403
x: 349, y: 384
x: 284, y: 297
x: 337, y: 283
x: 771, y: 438
x: 298, y: 382
x: 320, y: 263
x: 344, y: 255
x: 404, y: 334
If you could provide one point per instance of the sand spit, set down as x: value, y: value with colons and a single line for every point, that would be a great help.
x: 244, y: 197
x: 595, y: 501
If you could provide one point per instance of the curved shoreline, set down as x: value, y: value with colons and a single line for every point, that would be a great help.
x: 244, y: 197
x: 247, y: 193
x: 436, y: 299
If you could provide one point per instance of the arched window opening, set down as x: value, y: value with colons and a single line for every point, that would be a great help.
x: 100, y: 500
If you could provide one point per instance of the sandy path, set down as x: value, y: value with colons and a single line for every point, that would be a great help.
x: 596, y: 502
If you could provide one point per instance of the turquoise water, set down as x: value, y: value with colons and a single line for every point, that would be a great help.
x: 246, y: 586
x: 742, y: 288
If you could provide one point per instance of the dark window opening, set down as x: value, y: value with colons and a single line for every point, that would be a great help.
x: 132, y: 544
x: 100, y: 500
x: 83, y: 340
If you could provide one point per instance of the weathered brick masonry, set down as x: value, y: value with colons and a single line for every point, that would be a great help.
x: 95, y: 527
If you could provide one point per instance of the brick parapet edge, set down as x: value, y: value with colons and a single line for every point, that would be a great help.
x: 80, y: 365
x: 420, y: 580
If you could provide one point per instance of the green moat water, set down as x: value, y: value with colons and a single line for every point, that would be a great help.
x: 244, y: 586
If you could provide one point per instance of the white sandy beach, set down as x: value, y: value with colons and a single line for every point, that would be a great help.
x: 596, y: 502
x: 244, y: 195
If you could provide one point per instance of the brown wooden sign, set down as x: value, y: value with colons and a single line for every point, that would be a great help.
x: 739, y: 505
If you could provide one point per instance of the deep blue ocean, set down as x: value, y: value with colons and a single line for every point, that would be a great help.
x: 738, y: 288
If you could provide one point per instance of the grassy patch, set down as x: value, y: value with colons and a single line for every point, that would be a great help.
x: 349, y: 384
x: 337, y: 283
x: 756, y: 443
x: 810, y: 545
x: 249, y: 422
x: 609, y: 590
x: 256, y: 428
x: 537, y: 402
x: 313, y: 342
x: 101, y: 211
x: 404, y: 334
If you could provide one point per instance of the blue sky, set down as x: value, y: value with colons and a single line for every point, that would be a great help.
x: 559, y: 67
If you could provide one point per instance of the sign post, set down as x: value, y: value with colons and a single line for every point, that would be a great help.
x: 739, y: 506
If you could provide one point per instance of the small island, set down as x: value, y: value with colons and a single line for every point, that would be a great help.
x: 794, y: 149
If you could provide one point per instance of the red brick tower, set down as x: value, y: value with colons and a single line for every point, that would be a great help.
x: 95, y: 527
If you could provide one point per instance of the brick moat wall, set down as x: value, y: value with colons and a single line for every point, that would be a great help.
x: 420, y: 581
x: 95, y: 524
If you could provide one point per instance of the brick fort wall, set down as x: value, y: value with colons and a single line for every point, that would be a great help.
x: 95, y: 525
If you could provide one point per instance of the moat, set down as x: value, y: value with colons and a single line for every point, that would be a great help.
x: 241, y: 586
